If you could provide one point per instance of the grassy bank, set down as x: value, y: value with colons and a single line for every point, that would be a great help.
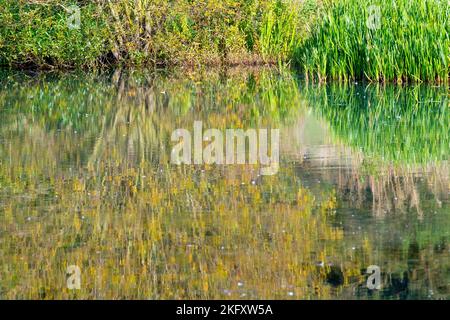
x: 341, y: 39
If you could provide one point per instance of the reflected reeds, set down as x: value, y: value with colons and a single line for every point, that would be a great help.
x: 85, y: 179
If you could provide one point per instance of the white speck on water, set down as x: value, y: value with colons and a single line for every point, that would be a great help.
x: 290, y: 294
x: 240, y: 284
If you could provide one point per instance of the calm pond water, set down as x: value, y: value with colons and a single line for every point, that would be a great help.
x: 86, y: 180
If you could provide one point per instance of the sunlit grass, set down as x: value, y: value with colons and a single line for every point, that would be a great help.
x: 408, y: 43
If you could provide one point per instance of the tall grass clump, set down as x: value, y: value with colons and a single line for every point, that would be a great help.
x: 284, y: 23
x: 278, y: 35
x: 408, y: 43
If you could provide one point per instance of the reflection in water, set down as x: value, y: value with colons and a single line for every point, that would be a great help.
x: 85, y: 180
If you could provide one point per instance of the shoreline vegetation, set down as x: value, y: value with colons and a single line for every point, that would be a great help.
x: 400, y: 41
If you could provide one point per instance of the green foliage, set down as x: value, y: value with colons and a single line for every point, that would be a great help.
x: 326, y: 39
x: 283, y: 26
x: 165, y: 32
x: 150, y: 32
x: 411, y: 42
x: 199, y: 31
x: 36, y: 33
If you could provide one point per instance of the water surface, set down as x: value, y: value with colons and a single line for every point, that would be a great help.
x: 86, y: 180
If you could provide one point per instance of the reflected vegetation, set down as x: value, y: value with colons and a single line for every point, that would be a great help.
x: 85, y: 180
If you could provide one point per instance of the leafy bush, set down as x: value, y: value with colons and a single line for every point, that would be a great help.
x: 146, y: 32
x: 37, y: 33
